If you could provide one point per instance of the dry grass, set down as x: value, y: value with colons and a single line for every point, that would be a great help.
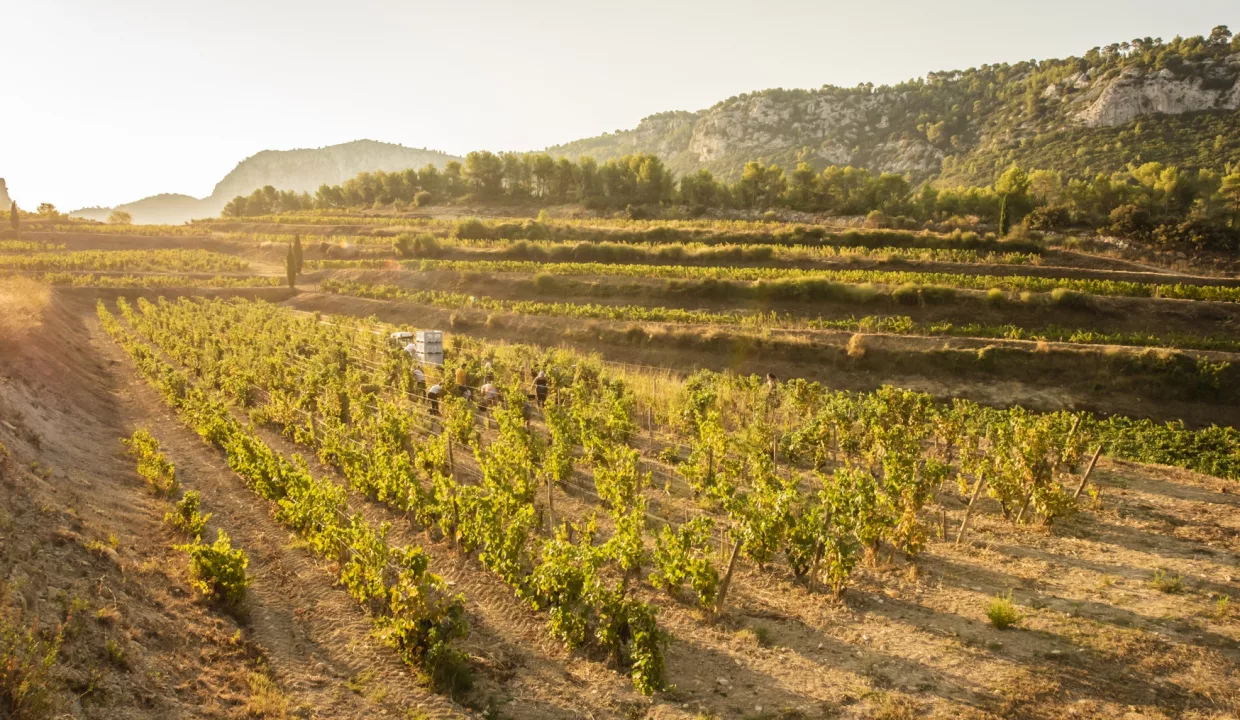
x: 266, y: 699
x: 22, y: 301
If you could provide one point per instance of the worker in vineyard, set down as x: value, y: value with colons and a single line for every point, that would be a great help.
x: 490, y: 394
x: 433, y: 395
x: 419, y: 380
x: 540, y: 388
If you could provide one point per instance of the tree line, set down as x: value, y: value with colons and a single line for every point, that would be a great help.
x: 1153, y: 202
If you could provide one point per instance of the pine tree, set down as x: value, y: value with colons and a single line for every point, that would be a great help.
x: 297, y: 252
x: 290, y: 267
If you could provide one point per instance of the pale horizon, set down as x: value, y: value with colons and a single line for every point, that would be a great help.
x: 114, y: 104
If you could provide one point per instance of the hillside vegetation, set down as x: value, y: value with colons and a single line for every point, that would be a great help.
x: 967, y: 125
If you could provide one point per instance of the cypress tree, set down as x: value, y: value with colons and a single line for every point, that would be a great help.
x: 1003, y: 217
x: 290, y: 267
x: 297, y: 252
x: 14, y: 219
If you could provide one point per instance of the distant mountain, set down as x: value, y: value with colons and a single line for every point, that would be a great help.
x: 1134, y: 102
x: 298, y: 170
x: 165, y: 209
x: 306, y: 170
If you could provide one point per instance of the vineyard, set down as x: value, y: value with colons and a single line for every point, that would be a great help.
x: 899, y: 325
x: 140, y: 260
x: 1011, y: 283
x: 666, y: 469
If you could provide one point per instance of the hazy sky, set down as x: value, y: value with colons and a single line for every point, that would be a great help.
x: 110, y: 101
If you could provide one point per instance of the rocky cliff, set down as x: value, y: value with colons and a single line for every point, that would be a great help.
x: 962, y: 123
x: 5, y: 201
x: 1129, y: 94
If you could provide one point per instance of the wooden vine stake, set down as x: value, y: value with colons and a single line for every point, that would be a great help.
x: 727, y: 578
x: 968, y: 512
x: 550, y: 505
x: 452, y: 474
x: 1085, y: 478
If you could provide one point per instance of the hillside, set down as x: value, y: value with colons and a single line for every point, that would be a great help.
x: 302, y: 170
x: 1074, y: 114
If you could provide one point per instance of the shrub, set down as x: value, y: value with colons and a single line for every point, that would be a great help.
x: 546, y: 283
x: 402, y: 245
x: 472, y: 229
x: 544, y: 217
x: 425, y: 245
x: 1199, y: 235
x: 639, y: 212
x: 1071, y: 299
x: 877, y: 219
x: 1131, y: 221
x: 856, y: 346
x: 906, y: 294
x: 185, y: 517
x: 1164, y: 581
x: 937, y: 294
x: 1048, y: 217
x: 25, y: 669
x: 1002, y: 612
x: 218, y: 570
x: 422, y: 199
x: 995, y: 297
x: 116, y: 652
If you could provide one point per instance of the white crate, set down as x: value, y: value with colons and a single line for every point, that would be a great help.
x: 428, y: 345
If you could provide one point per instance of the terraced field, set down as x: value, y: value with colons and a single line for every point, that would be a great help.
x: 680, y: 469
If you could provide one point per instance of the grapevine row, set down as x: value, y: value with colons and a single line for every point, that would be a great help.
x: 126, y: 260
x: 1011, y: 283
x: 894, y: 325
x: 326, y: 404
x: 410, y: 606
